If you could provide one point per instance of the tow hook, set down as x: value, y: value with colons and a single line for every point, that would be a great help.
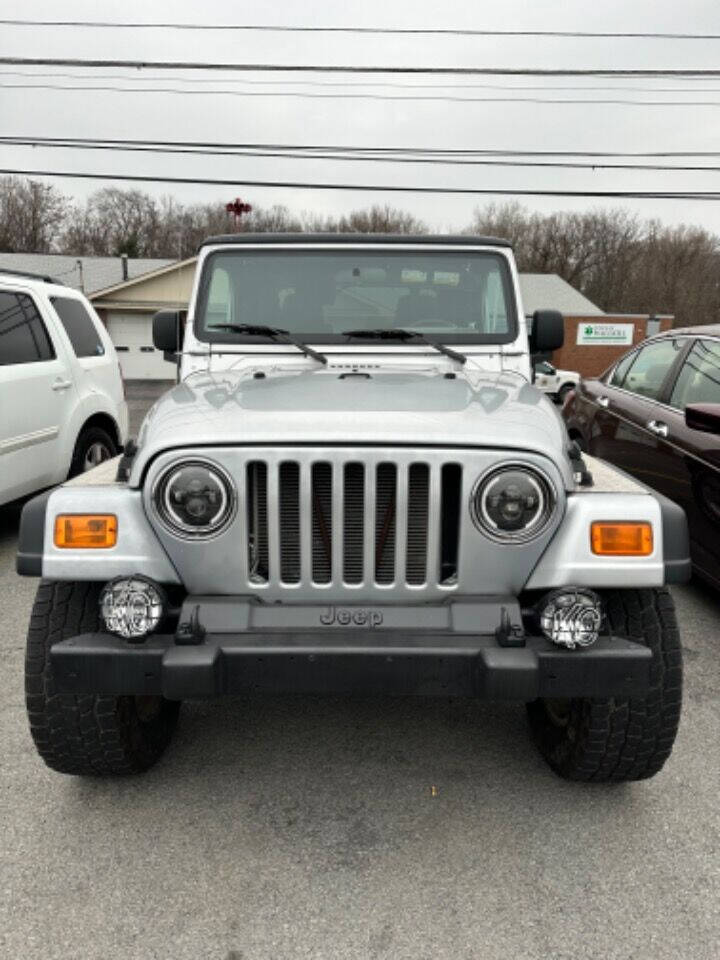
x: 191, y: 632
x: 509, y: 634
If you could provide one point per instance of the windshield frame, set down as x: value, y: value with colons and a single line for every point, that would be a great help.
x: 340, y: 340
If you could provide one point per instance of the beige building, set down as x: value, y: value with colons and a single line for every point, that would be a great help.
x: 127, y: 309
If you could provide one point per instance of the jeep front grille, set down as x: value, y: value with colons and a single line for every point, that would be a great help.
x: 353, y: 523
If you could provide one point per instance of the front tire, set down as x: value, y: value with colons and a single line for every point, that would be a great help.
x: 617, y: 739
x: 89, y: 734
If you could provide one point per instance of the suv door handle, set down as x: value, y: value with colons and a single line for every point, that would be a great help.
x: 658, y: 427
x: 61, y: 384
x: 604, y: 401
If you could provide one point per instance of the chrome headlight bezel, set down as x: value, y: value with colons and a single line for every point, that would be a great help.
x: 545, y: 515
x: 169, y: 518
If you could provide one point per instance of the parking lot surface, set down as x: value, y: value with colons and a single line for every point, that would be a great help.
x: 330, y: 828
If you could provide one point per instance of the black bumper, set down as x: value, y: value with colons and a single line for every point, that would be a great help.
x: 350, y: 662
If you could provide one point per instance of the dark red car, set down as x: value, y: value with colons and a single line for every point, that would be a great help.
x: 656, y: 414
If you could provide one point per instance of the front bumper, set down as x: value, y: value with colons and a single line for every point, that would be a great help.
x: 352, y: 661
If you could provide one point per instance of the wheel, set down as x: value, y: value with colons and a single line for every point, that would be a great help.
x: 89, y: 734
x: 619, y: 739
x: 93, y: 446
x: 563, y: 392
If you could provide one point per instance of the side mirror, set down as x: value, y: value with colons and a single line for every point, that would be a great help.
x: 703, y: 416
x: 548, y: 331
x: 168, y: 332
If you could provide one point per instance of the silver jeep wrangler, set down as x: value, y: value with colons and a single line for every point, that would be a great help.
x: 354, y: 488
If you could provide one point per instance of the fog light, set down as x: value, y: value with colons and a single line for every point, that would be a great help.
x: 132, y: 607
x: 571, y: 618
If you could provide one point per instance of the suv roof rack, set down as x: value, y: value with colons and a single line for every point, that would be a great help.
x: 26, y: 273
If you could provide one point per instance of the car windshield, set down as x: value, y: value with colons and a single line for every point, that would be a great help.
x: 318, y: 296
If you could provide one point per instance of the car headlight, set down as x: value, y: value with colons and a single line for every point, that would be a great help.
x: 513, y: 503
x: 195, y: 498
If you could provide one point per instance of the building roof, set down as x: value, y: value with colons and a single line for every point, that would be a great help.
x: 461, y: 240
x: 97, y: 272
x: 548, y: 291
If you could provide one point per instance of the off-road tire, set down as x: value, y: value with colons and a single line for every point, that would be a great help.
x: 618, y: 739
x: 89, y: 734
x: 89, y: 438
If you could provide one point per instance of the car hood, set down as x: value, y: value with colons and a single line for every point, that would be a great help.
x: 333, y: 407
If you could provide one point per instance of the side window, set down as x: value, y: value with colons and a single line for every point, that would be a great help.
x: 618, y: 375
x: 699, y: 380
x: 652, y: 364
x: 79, y: 327
x: 23, y: 337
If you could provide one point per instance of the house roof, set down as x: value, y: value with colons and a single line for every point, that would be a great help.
x: 548, y: 291
x: 97, y: 272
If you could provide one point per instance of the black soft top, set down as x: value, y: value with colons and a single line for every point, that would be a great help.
x: 349, y: 238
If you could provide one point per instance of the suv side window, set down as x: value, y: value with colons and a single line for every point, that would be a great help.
x: 699, y: 379
x: 79, y: 327
x: 652, y: 363
x: 618, y: 374
x: 23, y: 336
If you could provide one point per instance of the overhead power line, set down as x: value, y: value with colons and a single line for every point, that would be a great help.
x: 355, y: 84
x: 425, y: 98
x: 381, y: 31
x: 355, y: 68
x: 705, y: 195
x: 344, y: 148
x: 348, y: 154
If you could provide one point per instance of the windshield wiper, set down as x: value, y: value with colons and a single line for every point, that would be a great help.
x: 272, y: 333
x: 383, y: 333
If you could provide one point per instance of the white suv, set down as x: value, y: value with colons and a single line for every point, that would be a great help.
x: 556, y: 383
x: 62, y: 404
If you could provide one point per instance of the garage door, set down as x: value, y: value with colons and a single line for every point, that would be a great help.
x: 132, y: 336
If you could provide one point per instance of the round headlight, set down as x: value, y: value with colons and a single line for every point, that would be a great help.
x: 195, y: 498
x: 513, y: 503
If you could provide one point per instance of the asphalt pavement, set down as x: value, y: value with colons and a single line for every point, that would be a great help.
x: 332, y: 828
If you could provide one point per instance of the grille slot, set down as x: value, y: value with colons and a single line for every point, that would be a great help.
x: 450, y: 492
x: 353, y: 525
x: 385, y: 506
x: 289, y: 509
x: 257, y: 523
x: 417, y: 523
x: 322, y: 522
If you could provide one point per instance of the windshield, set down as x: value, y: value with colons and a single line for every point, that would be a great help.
x: 319, y: 295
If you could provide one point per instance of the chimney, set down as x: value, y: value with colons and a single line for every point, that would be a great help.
x: 124, y: 259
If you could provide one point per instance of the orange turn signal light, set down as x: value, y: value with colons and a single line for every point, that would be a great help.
x: 622, y: 539
x: 86, y: 530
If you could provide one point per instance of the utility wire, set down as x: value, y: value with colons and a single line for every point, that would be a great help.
x: 295, y: 95
x: 346, y: 148
x: 344, y: 84
x: 388, y: 31
x: 354, y: 68
x: 290, y: 154
x: 705, y: 195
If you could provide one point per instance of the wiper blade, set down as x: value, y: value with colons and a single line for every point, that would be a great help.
x: 398, y: 333
x: 272, y: 333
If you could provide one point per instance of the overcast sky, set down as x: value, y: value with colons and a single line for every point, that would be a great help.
x: 371, y: 122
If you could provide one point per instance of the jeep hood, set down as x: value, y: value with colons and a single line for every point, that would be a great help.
x: 333, y: 407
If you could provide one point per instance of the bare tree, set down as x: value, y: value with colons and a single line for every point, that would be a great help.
x: 31, y: 215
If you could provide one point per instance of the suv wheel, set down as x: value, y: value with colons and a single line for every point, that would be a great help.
x: 618, y: 739
x: 93, y: 446
x: 89, y: 734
